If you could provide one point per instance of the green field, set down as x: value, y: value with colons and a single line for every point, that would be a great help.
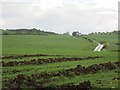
x: 65, y: 46
x: 32, y: 44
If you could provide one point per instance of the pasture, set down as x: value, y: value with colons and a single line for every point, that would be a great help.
x: 51, y: 61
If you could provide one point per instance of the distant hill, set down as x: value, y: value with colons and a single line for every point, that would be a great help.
x: 26, y: 32
x: 112, y: 32
x: 116, y: 32
x: 35, y: 31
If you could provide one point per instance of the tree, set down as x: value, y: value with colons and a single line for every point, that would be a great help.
x: 76, y: 33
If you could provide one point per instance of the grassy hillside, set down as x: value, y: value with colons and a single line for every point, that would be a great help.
x: 109, y: 39
x: 63, y: 54
x: 51, y: 44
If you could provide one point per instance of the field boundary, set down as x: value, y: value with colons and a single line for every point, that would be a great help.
x: 44, y: 61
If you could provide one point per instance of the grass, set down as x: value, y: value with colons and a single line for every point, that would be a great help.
x: 110, y: 40
x: 51, y: 67
x: 106, y: 82
x: 67, y: 46
x: 53, y: 44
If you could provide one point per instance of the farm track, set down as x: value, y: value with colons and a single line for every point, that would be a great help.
x: 44, y: 61
x: 25, y: 56
x: 44, y: 77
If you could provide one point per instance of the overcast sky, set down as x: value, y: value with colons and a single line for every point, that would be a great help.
x: 60, y: 15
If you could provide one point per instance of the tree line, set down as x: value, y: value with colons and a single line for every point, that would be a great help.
x: 33, y: 31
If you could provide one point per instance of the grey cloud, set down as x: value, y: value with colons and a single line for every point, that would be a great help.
x: 67, y: 17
